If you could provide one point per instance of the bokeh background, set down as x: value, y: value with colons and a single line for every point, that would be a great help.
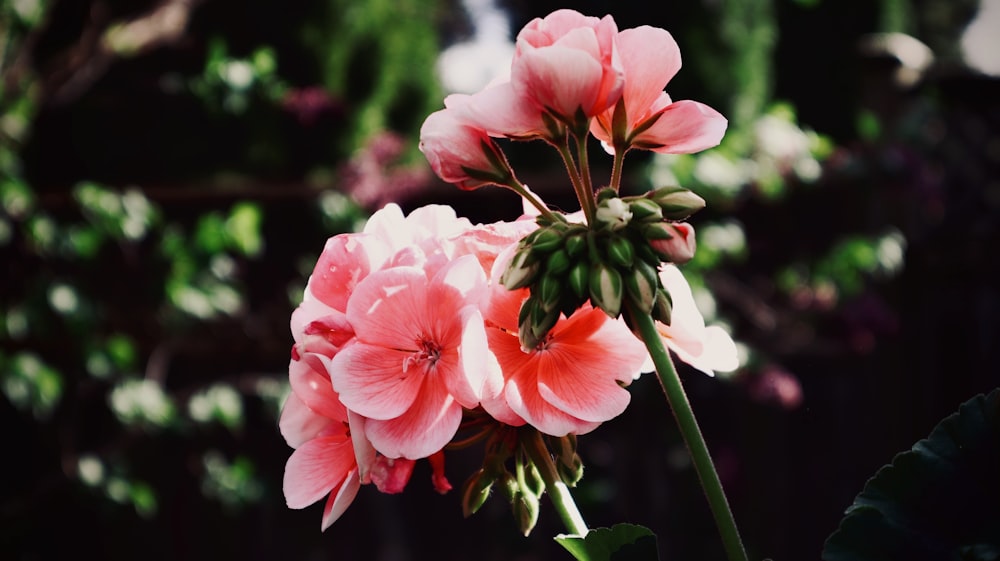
x: 170, y: 170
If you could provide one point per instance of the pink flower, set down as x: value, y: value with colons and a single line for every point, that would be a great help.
x: 571, y: 382
x: 650, y: 58
x: 566, y: 63
x: 419, y: 355
x: 708, y: 349
x: 462, y: 153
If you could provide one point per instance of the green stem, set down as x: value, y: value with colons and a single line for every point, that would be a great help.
x: 520, y: 189
x: 583, y: 156
x: 616, y: 169
x: 688, y: 425
x: 534, y: 447
x: 585, y: 196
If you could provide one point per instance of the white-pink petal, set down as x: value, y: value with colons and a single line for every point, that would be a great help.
x: 298, y: 423
x: 315, y: 468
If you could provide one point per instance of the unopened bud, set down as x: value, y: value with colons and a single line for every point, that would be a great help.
x: 677, y: 203
x: 645, y: 210
x: 575, y: 245
x: 548, y: 239
x: 613, y: 214
x: 525, y: 507
x: 679, y: 247
x: 571, y: 470
x: 549, y: 291
x: 521, y: 271
x: 606, y: 289
x: 578, y: 279
x: 558, y: 262
x: 662, y: 307
x: 641, y: 284
x: 620, y: 251
x: 475, y: 491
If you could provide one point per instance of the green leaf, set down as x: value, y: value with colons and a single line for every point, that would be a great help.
x: 939, y: 500
x: 621, y: 542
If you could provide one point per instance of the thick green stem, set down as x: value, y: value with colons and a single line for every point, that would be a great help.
x: 583, y: 156
x: 688, y: 425
x: 535, y: 448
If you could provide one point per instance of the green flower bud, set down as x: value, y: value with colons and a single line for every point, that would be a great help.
x: 677, y: 203
x: 575, y: 245
x: 641, y: 284
x: 620, y: 251
x: 645, y: 210
x: 662, y: 307
x: 475, y: 491
x: 521, y: 271
x: 578, y: 279
x: 548, y: 239
x: 549, y: 291
x: 571, y: 470
x: 558, y: 262
x: 525, y: 507
x: 606, y: 289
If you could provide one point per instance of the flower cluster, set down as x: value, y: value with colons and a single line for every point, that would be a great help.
x: 425, y: 327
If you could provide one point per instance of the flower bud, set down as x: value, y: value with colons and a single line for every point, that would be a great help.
x: 571, y: 470
x: 620, y: 251
x: 475, y: 491
x: 641, y: 285
x: 606, y: 289
x: 676, y: 203
x: 679, y: 247
x: 613, y: 214
x: 549, y: 291
x: 525, y: 507
x: 558, y: 262
x: 662, y: 307
x: 645, y: 210
x: 521, y: 271
x: 578, y: 279
x: 575, y: 245
x: 548, y: 239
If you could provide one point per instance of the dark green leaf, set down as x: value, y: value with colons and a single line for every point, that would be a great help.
x: 939, y: 500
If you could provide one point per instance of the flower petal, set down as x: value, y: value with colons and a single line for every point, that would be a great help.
x: 422, y: 430
x: 315, y: 468
x: 684, y: 127
x: 388, y: 308
x: 316, y: 391
x: 298, y: 423
x: 650, y: 57
x: 559, y: 78
x: 341, y: 498
x: 371, y: 381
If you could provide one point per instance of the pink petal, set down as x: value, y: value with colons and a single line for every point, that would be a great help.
x: 298, y: 423
x: 503, y: 112
x: 341, y: 498
x: 315, y: 468
x: 346, y: 259
x: 684, y: 127
x: 718, y: 354
x: 371, y: 381
x: 651, y: 58
x: 523, y: 397
x: 559, y: 78
x: 441, y: 483
x: 315, y: 390
x: 390, y: 475
x: 388, y: 308
x: 422, y: 430
x: 364, y: 452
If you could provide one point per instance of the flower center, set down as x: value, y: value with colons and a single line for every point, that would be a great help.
x: 428, y: 351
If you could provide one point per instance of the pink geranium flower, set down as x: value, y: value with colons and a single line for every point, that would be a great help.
x: 707, y: 348
x: 461, y: 152
x: 572, y: 381
x: 419, y: 355
x: 650, y: 58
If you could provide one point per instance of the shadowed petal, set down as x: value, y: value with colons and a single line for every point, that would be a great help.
x: 298, y: 423
x: 315, y: 390
x: 340, y: 499
x: 684, y: 127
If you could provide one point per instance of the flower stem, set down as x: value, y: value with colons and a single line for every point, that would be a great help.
x: 585, y: 196
x: 535, y: 448
x: 616, y: 169
x: 710, y: 483
x: 520, y: 189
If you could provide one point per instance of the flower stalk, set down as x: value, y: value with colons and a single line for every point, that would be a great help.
x: 684, y: 415
x: 562, y: 499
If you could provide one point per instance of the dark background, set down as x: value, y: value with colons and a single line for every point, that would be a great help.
x: 242, y: 138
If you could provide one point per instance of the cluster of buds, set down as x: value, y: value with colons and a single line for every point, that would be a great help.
x: 566, y: 264
x: 509, y: 467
